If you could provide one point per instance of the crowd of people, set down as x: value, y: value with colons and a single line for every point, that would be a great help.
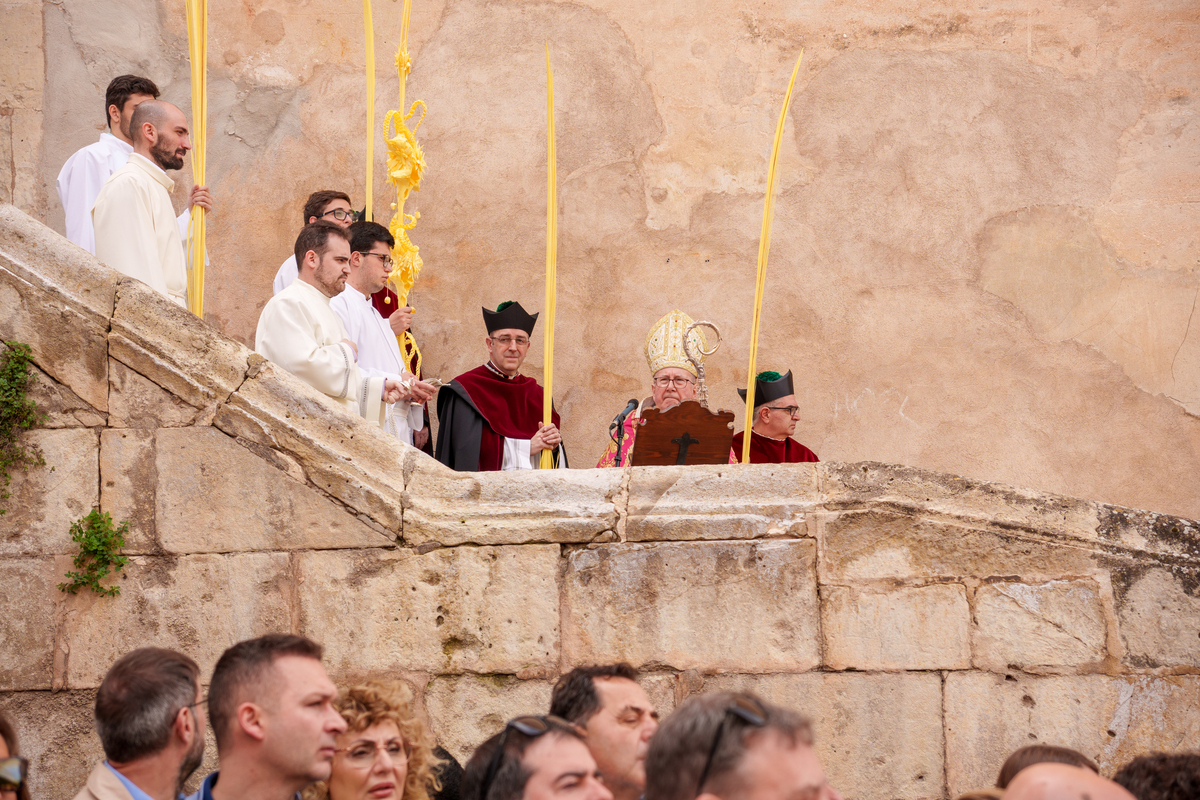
x: 284, y: 731
x: 333, y: 322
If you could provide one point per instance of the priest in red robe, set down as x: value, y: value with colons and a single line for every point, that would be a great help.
x: 775, y: 415
x: 491, y: 417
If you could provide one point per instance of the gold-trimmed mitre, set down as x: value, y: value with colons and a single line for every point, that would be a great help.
x: 664, y: 344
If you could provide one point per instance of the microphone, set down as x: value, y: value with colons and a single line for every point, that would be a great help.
x: 619, y: 420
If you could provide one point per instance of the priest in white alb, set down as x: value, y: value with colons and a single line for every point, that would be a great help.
x: 378, y: 351
x: 300, y: 332
x: 136, y: 230
x: 86, y: 171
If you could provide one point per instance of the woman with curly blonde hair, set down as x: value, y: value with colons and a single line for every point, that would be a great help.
x: 386, y: 752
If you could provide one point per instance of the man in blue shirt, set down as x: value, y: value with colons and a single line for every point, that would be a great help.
x: 271, y: 705
x: 151, y: 722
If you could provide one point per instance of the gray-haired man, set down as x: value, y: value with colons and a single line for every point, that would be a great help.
x: 151, y: 725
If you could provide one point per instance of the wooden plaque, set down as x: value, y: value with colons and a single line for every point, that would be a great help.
x: 686, y: 434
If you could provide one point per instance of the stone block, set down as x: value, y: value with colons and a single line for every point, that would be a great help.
x: 128, y: 484
x: 478, y: 609
x: 448, y: 507
x: 204, y: 474
x: 27, y: 598
x: 1038, y: 627
x: 47, y: 499
x: 169, y: 346
x: 340, y: 452
x: 59, y: 306
x: 1159, y: 618
x: 56, y: 732
x: 1108, y: 719
x: 720, y: 502
x: 660, y: 688
x: 896, y: 628
x: 199, y: 605
x: 465, y: 710
x: 746, y: 606
x: 62, y: 407
x: 1160, y: 534
x: 134, y: 401
x: 878, y: 545
x: 876, y: 735
x: 974, y: 502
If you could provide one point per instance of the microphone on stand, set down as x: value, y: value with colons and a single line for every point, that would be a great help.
x: 619, y: 419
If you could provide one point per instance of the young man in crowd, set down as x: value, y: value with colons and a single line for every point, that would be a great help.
x: 271, y: 706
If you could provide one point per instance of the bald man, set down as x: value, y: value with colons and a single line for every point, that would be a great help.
x: 136, y: 231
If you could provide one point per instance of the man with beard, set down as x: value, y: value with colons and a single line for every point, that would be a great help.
x: 86, y: 171
x: 150, y: 718
x: 136, y: 230
x: 299, y: 331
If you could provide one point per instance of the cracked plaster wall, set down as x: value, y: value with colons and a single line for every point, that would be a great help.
x: 984, y: 257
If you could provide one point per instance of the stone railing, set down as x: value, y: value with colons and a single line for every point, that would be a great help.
x: 929, y: 624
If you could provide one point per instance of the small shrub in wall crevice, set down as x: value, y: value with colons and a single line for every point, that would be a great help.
x: 17, y: 413
x: 99, y: 543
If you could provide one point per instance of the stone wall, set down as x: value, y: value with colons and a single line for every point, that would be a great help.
x: 984, y: 261
x: 929, y: 623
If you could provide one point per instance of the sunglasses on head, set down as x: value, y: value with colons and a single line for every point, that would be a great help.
x: 742, y: 707
x: 12, y: 773
x: 531, y: 726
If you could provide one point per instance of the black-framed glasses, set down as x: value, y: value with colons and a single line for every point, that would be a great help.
x: 791, y: 410
x: 386, y: 259
x: 13, y: 772
x: 531, y: 726
x: 341, y: 215
x: 744, y: 707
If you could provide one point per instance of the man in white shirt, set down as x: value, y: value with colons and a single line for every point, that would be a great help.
x: 327, y: 205
x: 86, y: 171
x: 136, y: 230
x: 378, y: 351
x: 300, y: 332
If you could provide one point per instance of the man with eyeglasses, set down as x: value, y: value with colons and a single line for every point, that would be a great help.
x: 328, y: 205
x: 534, y: 758
x: 727, y: 746
x: 299, y: 331
x: 673, y: 381
x: 151, y: 723
x: 775, y: 415
x: 378, y: 351
x: 491, y: 417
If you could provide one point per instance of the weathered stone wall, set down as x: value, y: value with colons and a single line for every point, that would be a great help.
x: 985, y: 258
x: 929, y: 623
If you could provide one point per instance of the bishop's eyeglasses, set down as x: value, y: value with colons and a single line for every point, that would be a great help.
x: 678, y: 383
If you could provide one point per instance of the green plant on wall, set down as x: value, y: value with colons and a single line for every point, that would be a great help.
x: 17, y: 413
x: 99, y: 543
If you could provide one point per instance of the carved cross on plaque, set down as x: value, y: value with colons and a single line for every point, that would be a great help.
x: 684, y: 443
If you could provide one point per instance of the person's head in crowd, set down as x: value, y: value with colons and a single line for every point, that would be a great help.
x: 727, y: 746
x: 1162, y: 776
x: 448, y: 774
x: 1041, y: 754
x: 618, y: 718
x: 151, y: 719
x: 386, y: 752
x: 13, y: 769
x: 159, y: 132
x: 124, y: 94
x: 330, y: 206
x: 272, y: 712
x: 323, y: 257
x: 1056, y: 781
x: 534, y: 758
x: 370, y: 256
